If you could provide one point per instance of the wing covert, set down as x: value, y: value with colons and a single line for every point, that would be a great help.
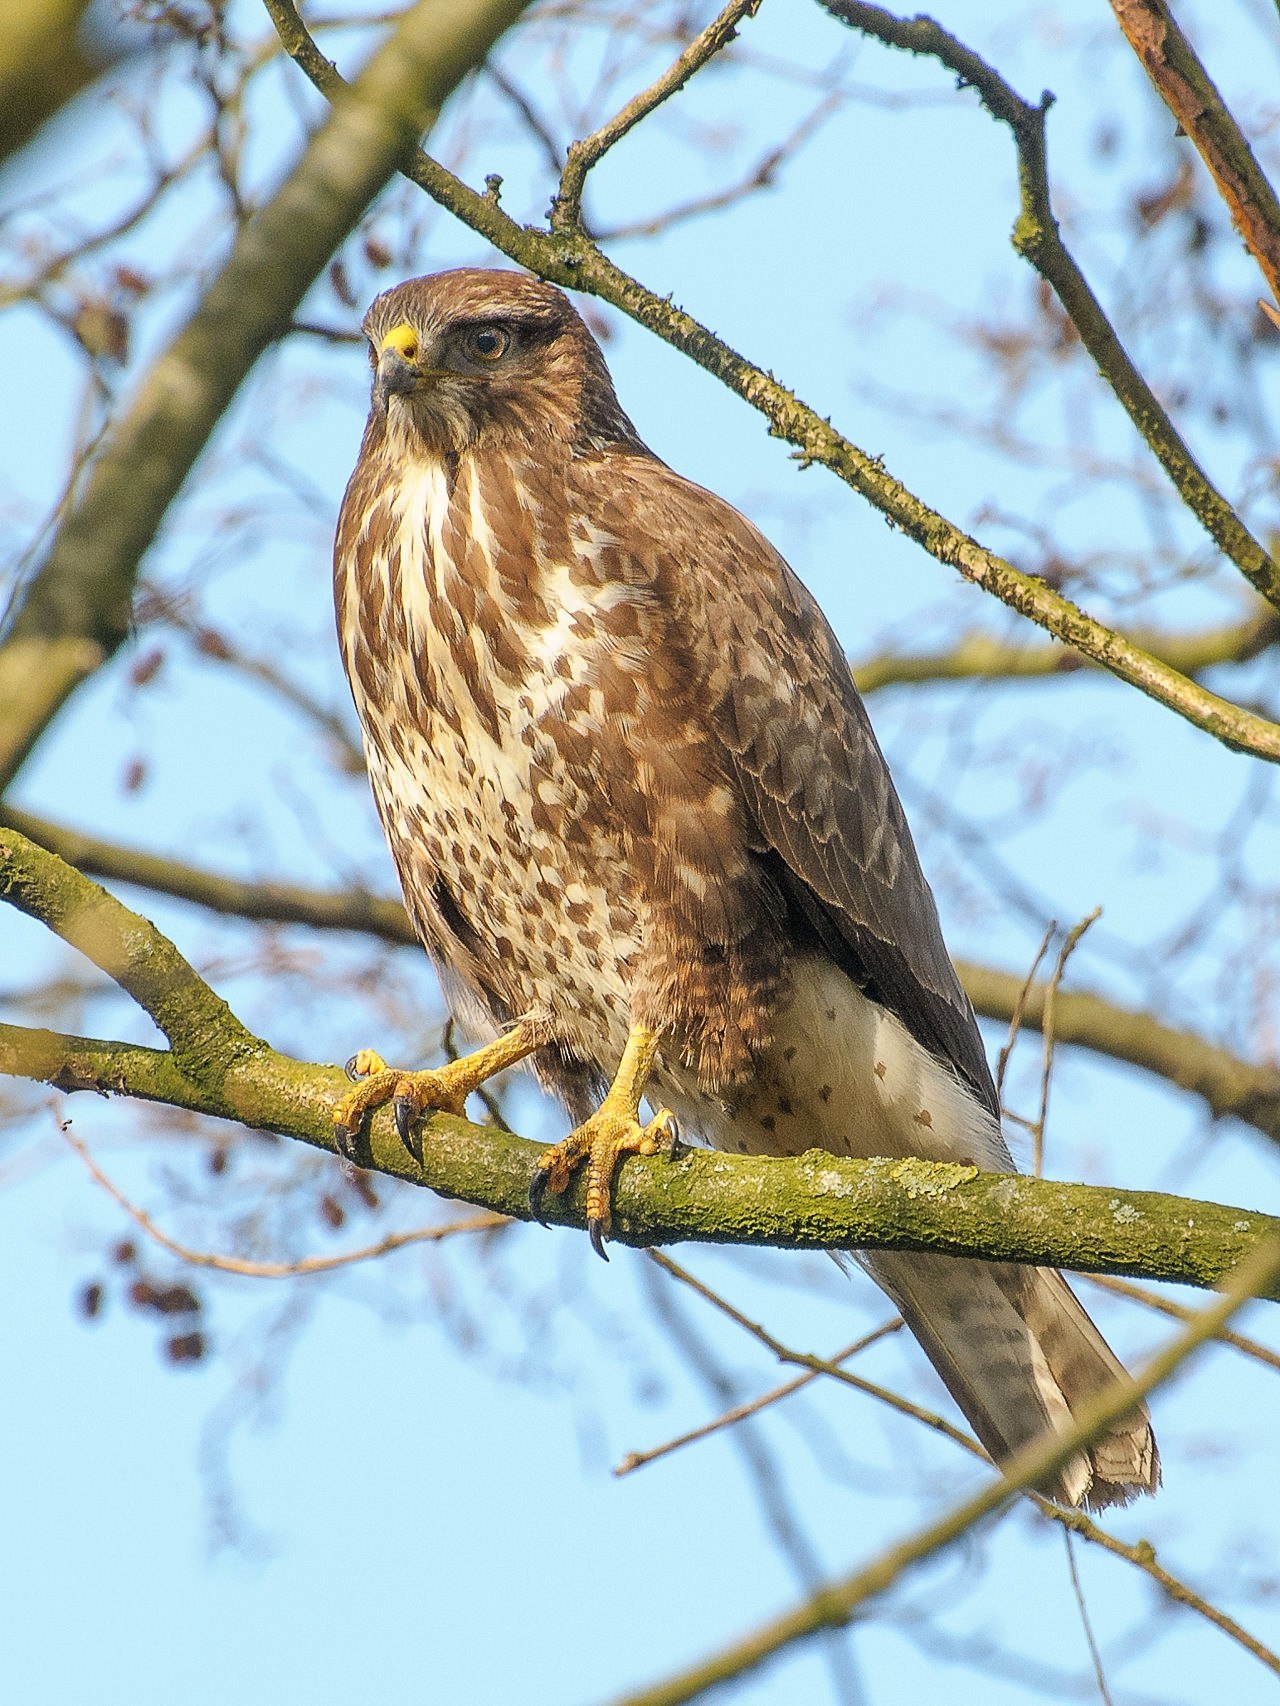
x: 800, y: 748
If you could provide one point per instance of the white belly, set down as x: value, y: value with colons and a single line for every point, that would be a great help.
x: 846, y: 1076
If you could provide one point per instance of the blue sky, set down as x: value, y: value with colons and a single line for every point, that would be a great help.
x: 418, y: 1493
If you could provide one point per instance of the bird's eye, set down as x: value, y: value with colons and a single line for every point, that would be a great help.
x: 488, y: 343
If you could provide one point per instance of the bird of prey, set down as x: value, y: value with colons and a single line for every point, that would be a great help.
x: 645, y: 830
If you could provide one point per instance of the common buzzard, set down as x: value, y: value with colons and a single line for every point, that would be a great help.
x: 645, y: 830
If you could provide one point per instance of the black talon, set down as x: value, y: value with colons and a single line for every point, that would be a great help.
x: 595, y: 1231
x: 673, y: 1137
x: 350, y: 1070
x: 404, y: 1112
x: 346, y: 1141
x: 537, y: 1190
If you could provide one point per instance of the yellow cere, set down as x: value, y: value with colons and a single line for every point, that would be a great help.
x: 402, y: 338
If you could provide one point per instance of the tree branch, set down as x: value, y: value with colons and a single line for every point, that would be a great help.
x: 981, y: 656
x: 1188, y: 91
x: 836, y: 1604
x: 1179, y: 1312
x: 1141, y: 1556
x: 569, y: 258
x: 1037, y: 239
x: 813, y: 1202
x: 1230, y: 1087
x: 304, y: 1266
x: 263, y: 902
x: 75, y: 613
x: 566, y: 209
x: 205, y: 1036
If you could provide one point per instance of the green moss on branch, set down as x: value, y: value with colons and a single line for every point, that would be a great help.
x: 813, y: 1202
x: 1229, y: 1086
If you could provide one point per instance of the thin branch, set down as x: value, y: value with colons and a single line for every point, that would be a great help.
x: 1188, y: 91
x: 278, y: 1270
x: 839, y: 1602
x: 816, y: 1365
x: 753, y: 1406
x: 534, y: 121
x: 1179, y: 1312
x: 1078, y: 1594
x: 1037, y: 239
x: 1141, y: 1556
x: 980, y: 656
x: 762, y: 176
x: 781, y: 1521
x: 1230, y: 1087
x: 566, y: 209
x: 1049, y: 1035
x: 1019, y: 1007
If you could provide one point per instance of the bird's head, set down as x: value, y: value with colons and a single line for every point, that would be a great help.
x: 463, y: 357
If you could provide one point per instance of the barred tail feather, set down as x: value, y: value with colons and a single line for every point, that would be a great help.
x: 1020, y: 1356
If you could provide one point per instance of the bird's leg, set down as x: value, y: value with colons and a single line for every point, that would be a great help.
x: 614, y: 1130
x: 443, y: 1090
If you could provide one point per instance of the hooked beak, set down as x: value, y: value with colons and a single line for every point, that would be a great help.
x: 396, y: 376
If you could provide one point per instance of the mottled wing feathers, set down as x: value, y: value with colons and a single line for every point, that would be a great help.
x: 799, y: 747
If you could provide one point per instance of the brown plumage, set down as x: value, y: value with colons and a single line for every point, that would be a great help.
x: 627, y: 781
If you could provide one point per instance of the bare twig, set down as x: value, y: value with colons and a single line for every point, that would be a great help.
x: 1048, y: 1013
x: 752, y: 1406
x: 761, y: 176
x: 566, y: 210
x: 1078, y: 1593
x: 278, y: 1270
x: 1229, y: 1087
x: 1019, y: 1007
x: 839, y: 1601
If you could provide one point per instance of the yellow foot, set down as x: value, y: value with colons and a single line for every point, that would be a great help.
x: 600, y: 1142
x: 412, y: 1094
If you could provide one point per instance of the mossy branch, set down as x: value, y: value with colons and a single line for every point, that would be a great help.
x: 215, y: 1066
x: 812, y: 1202
x: 1229, y: 1086
x: 204, y: 1034
x: 983, y: 657
x: 75, y: 613
x: 569, y: 258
